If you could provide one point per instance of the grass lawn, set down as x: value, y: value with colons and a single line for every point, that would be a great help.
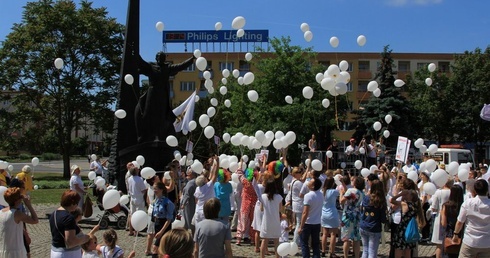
x: 47, y: 196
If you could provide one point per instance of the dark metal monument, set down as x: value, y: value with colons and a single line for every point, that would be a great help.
x: 149, y: 118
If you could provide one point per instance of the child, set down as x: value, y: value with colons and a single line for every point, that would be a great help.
x: 111, y: 249
x: 284, y: 229
x: 90, y: 248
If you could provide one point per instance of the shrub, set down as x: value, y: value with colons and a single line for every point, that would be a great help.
x: 24, y: 156
x: 50, y: 156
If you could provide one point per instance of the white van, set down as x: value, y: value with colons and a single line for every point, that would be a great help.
x: 448, y: 155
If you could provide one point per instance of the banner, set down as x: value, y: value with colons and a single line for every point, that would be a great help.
x: 185, y: 113
x: 402, y: 149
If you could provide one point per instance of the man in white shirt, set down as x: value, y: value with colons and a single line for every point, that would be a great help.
x: 475, y: 212
x: 352, y: 148
x: 96, y: 166
x: 409, y: 167
x: 136, y: 191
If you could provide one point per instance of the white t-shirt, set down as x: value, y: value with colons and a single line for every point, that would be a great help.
x: 351, y: 149
x: 297, y: 203
x: 475, y: 213
x: 314, y: 199
x: 76, y: 180
x: 117, y: 252
x: 136, y: 188
x: 96, y: 167
x: 408, y: 168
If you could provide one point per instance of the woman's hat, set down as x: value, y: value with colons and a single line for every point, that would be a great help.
x: 73, y: 168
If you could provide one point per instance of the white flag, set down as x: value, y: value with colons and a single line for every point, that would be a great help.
x: 185, y: 113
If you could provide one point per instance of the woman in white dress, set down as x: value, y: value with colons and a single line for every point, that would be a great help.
x: 438, y: 199
x: 11, y: 226
x: 258, y: 213
x: 271, y: 220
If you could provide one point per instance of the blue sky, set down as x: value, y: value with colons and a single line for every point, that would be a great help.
x: 426, y: 26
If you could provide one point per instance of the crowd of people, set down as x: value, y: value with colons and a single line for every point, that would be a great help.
x: 266, y: 204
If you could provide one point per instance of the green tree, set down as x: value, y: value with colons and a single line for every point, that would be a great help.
x: 391, y: 101
x: 60, y: 100
x: 469, y: 89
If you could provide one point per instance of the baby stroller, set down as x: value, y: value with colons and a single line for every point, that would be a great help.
x: 118, y: 214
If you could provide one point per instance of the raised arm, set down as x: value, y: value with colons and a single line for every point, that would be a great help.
x: 175, y: 68
x: 143, y: 66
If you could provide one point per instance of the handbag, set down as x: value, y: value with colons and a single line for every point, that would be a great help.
x: 87, y: 207
x: 451, y: 247
x: 412, y: 231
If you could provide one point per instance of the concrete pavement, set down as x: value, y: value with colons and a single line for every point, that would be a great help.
x: 41, y: 238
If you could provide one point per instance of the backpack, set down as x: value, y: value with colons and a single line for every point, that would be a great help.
x: 412, y: 231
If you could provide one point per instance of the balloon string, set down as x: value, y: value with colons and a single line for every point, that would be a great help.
x: 336, y: 114
x: 103, y: 214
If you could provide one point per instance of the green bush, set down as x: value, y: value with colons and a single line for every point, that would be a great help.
x: 24, y: 156
x: 50, y: 156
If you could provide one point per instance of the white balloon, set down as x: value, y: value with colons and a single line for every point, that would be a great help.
x: 344, y: 77
x: 341, y: 88
x: 248, y: 56
x: 419, y: 142
x: 428, y: 81
x: 308, y: 35
x: 34, y: 161
x: 218, y: 26
x: 235, y: 178
x: 128, y: 78
x: 430, y: 188
x: 224, y: 163
x: 291, y: 137
x: 140, y: 159
x: 36, y: 187
x: 327, y: 83
x: 253, y: 95
x: 203, y: 120
x: 361, y: 40
x: 343, y: 165
x: 430, y: 165
x: 58, y: 63
x: 93, y: 157
x: 362, y: 150
x: 100, y: 182
x: 319, y: 77
x: 201, y: 63
x: 463, y: 174
x: 178, y: 223
x: 329, y: 154
x: 196, y: 99
x: 192, y: 125
x: 432, y: 148
x: 439, y: 177
x: 248, y: 78
x: 372, y: 85
x: 2, y: 198
x: 206, y: 75
x: 120, y: 113
x: 235, y: 140
x: 399, y: 83
x: 223, y: 90
x: 236, y: 73
x: 412, y: 175
x: 209, y: 132
x: 377, y: 126
x: 177, y: 155
x: 388, y: 118
x: 225, y: 73
x: 211, y: 111
x: 197, y: 53
x: 238, y: 22
x: 197, y: 167
x: 224, y: 81
x: 386, y: 133
x: 453, y: 168
x: 304, y: 27
x: 139, y: 220
x: 334, y: 42
x: 124, y: 199
x: 377, y: 92
x: 226, y: 137
x: 365, y: 172
x: 432, y: 67
x: 240, y: 33
x: 227, y: 103
x: 343, y: 65
x: 240, y: 80
x: 333, y: 70
x: 172, y: 141
x: 317, y: 165
x: 284, y: 249
x: 358, y: 164
x: 260, y: 135
x: 148, y: 172
x: 160, y: 26
x: 423, y: 148
x: 373, y: 168
x: 233, y: 166
x: 167, y: 175
x: 325, y: 103
x: 288, y: 99
x: 307, y: 92
x: 293, y: 249
x: 92, y: 175
x: 10, y: 168
x: 277, y: 143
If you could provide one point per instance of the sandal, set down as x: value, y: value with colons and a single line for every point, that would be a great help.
x: 131, y: 234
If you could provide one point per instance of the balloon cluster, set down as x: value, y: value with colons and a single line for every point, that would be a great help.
x: 279, y: 140
x: 334, y: 80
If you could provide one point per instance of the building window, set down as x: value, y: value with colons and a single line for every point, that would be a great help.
x: 422, y: 66
x: 244, y: 66
x: 226, y: 65
x: 191, y: 68
x: 326, y: 64
x: 351, y: 67
x: 443, y: 67
x: 202, y: 87
x: 362, y: 87
x: 363, y: 66
x: 210, y: 66
x: 404, y: 66
x: 187, y: 86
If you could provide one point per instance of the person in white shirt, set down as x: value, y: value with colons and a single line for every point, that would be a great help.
x: 136, y: 191
x: 96, y: 166
x: 352, y: 148
x: 76, y: 184
x: 475, y: 213
x: 310, y: 226
x: 409, y: 167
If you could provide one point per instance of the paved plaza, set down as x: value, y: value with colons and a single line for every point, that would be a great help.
x: 41, y: 238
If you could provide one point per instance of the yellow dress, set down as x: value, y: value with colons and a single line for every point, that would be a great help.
x: 27, y: 178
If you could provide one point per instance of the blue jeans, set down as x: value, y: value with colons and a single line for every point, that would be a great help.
x: 370, y: 243
x: 313, y: 231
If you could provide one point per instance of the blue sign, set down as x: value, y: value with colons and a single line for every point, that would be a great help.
x: 212, y: 36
